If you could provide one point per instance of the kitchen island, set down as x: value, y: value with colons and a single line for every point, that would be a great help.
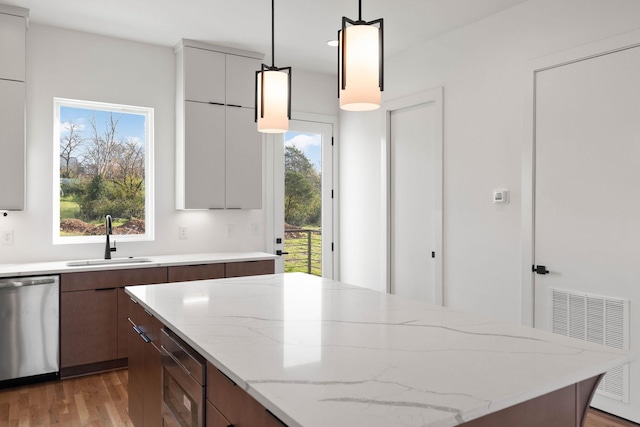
x: 316, y: 352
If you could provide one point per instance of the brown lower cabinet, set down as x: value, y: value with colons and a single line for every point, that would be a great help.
x: 145, y: 370
x: 88, y: 333
x: 94, y: 326
x: 226, y: 402
x: 93, y: 318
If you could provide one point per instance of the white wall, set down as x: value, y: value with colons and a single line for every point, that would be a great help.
x: 481, y: 68
x: 70, y: 64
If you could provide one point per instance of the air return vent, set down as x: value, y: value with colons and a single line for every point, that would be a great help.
x: 599, y: 320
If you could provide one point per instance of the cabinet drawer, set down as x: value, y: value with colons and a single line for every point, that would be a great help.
x: 144, y: 320
x: 184, y: 273
x: 249, y: 268
x: 215, y: 418
x: 224, y: 394
x: 112, y: 279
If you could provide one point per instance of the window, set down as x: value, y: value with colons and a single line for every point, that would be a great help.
x: 103, y: 165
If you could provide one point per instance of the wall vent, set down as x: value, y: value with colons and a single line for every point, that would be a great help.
x: 596, y: 319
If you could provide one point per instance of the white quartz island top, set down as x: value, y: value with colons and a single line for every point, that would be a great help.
x: 317, y: 352
x: 58, y: 267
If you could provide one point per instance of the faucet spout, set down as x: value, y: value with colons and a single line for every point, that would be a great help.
x: 108, y: 230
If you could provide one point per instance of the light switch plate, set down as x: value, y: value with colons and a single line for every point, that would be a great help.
x: 182, y: 232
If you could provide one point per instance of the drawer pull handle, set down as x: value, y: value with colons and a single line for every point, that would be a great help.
x: 175, y: 359
x: 145, y: 337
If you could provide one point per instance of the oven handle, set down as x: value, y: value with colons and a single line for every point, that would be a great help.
x: 175, y: 359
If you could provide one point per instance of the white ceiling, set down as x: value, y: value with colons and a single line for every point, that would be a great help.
x: 301, y: 31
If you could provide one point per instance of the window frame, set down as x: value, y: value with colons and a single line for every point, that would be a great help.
x: 149, y: 179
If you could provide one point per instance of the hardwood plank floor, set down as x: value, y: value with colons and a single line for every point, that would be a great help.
x: 101, y: 400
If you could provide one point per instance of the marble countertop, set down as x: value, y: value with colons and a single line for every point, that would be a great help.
x: 317, y: 352
x: 57, y: 267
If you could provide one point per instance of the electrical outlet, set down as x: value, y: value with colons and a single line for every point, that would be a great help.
x: 255, y: 229
x: 231, y: 231
x: 182, y: 232
x: 7, y: 237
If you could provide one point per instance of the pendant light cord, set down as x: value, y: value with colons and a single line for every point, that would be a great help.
x: 359, y: 10
x: 273, y: 50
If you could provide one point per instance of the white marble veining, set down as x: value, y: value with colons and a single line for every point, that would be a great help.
x: 318, y: 352
x: 57, y: 267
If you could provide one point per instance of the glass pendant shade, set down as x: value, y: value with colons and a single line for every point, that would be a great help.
x: 272, y: 101
x: 361, y: 90
x: 273, y: 92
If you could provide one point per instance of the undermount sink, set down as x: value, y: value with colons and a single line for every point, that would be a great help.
x: 130, y: 260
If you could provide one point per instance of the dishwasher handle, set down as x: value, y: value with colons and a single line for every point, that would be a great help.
x: 18, y: 283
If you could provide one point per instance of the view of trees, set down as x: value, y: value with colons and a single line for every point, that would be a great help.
x: 101, y: 172
x: 303, y: 201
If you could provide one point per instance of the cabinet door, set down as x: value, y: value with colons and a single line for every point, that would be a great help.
x: 123, y: 324
x: 244, y: 160
x: 12, y: 47
x: 12, y: 160
x: 136, y: 385
x: 204, y: 156
x: 249, y: 268
x: 185, y: 273
x: 204, y: 72
x: 241, y: 80
x: 88, y: 331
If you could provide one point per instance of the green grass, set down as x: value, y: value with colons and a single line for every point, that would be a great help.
x: 68, y: 208
x: 296, y: 260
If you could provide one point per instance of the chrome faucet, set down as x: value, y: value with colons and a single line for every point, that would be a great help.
x: 108, y: 230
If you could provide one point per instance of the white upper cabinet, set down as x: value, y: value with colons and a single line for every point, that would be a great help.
x: 12, y: 159
x: 241, y: 80
x: 218, y: 147
x: 12, y: 47
x: 204, y: 72
x: 204, y: 156
x: 244, y: 160
x: 13, y: 25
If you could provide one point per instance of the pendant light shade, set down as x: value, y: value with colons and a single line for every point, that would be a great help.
x: 360, y: 63
x: 273, y: 93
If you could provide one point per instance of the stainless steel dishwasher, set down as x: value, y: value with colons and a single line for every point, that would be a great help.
x: 29, y: 329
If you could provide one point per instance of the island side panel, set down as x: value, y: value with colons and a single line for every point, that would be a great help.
x: 566, y: 407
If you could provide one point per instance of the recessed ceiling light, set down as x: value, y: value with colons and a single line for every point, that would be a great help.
x: 333, y: 43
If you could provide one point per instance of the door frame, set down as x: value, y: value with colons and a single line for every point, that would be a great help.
x: 592, y: 50
x: 435, y: 96
x: 270, y: 171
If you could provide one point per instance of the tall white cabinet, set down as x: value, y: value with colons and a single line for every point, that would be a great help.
x: 218, y: 148
x: 13, y: 25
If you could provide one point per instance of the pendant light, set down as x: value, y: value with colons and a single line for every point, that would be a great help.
x: 273, y: 93
x: 360, y: 63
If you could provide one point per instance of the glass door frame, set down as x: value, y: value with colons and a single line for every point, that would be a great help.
x: 274, y: 167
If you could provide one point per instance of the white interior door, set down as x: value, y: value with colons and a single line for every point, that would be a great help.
x: 320, y: 135
x: 414, y: 133
x: 587, y: 210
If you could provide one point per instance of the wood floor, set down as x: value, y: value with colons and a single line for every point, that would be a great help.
x: 101, y: 401
x: 97, y: 400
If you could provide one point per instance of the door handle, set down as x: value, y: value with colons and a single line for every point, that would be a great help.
x: 279, y: 252
x: 540, y: 269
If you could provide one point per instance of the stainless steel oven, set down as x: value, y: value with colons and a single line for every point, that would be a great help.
x: 183, y: 383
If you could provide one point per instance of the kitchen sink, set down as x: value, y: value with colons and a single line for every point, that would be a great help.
x: 130, y: 260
